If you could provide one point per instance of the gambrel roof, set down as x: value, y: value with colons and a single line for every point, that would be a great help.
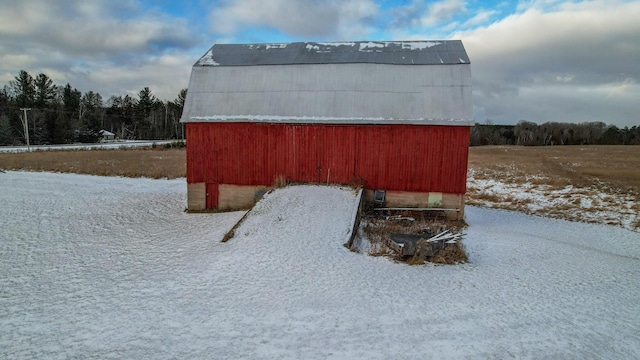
x: 360, y: 82
x: 445, y: 52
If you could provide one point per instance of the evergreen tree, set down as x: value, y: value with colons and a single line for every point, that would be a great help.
x: 24, y: 89
x: 179, y: 101
x: 67, y: 118
x: 45, y: 91
x: 92, y: 111
x: 146, y: 102
x: 6, y: 130
x: 145, y: 117
x: 121, y: 113
x: 71, y: 99
x: 175, y: 110
x: 5, y: 100
x: 62, y: 132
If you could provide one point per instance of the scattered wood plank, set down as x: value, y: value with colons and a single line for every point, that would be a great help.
x: 407, y: 244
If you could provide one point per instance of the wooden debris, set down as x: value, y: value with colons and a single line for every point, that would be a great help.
x: 421, y: 244
x: 446, y: 236
x: 399, y: 217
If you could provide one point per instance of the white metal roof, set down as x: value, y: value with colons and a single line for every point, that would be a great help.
x: 333, y: 83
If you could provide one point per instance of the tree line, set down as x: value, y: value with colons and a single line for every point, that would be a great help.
x: 553, y: 133
x: 62, y: 114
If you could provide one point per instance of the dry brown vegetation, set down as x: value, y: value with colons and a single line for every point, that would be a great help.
x: 139, y: 162
x: 596, y: 184
x: 454, y: 254
x: 613, y: 166
x: 377, y: 228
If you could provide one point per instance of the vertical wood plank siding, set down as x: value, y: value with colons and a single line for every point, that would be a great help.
x: 212, y: 195
x: 391, y: 157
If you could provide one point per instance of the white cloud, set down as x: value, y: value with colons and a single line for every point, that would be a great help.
x: 296, y: 18
x: 578, y: 34
x: 115, y: 79
x: 12, y: 60
x: 101, y: 45
x: 88, y: 28
x: 407, y: 16
x: 544, y: 65
x: 625, y: 88
x: 565, y: 78
x: 482, y: 17
x: 355, y: 20
x: 6, y: 77
x: 23, y: 17
x: 442, y: 11
x: 524, y: 5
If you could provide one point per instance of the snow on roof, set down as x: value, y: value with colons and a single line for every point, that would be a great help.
x: 448, y: 52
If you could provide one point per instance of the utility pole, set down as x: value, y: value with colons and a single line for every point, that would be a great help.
x: 26, y: 127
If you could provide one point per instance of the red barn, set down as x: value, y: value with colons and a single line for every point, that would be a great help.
x: 392, y: 116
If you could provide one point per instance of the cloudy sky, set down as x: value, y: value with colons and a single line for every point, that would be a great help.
x: 535, y: 60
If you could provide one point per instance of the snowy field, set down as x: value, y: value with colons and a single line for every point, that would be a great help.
x: 587, y: 204
x: 105, y: 145
x: 106, y: 267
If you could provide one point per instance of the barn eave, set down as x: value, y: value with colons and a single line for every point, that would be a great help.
x: 324, y: 120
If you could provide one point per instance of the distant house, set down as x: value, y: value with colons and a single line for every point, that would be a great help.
x: 392, y: 116
x: 107, y: 135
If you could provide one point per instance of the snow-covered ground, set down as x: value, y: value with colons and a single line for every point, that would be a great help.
x: 105, y: 267
x: 105, y: 145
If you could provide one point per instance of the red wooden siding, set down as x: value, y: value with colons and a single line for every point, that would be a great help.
x: 212, y: 195
x: 391, y: 157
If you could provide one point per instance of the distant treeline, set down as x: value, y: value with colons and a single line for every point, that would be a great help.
x: 553, y: 133
x: 62, y: 114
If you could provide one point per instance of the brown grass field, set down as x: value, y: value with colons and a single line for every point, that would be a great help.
x: 138, y: 162
x: 595, y: 184
x: 616, y: 167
